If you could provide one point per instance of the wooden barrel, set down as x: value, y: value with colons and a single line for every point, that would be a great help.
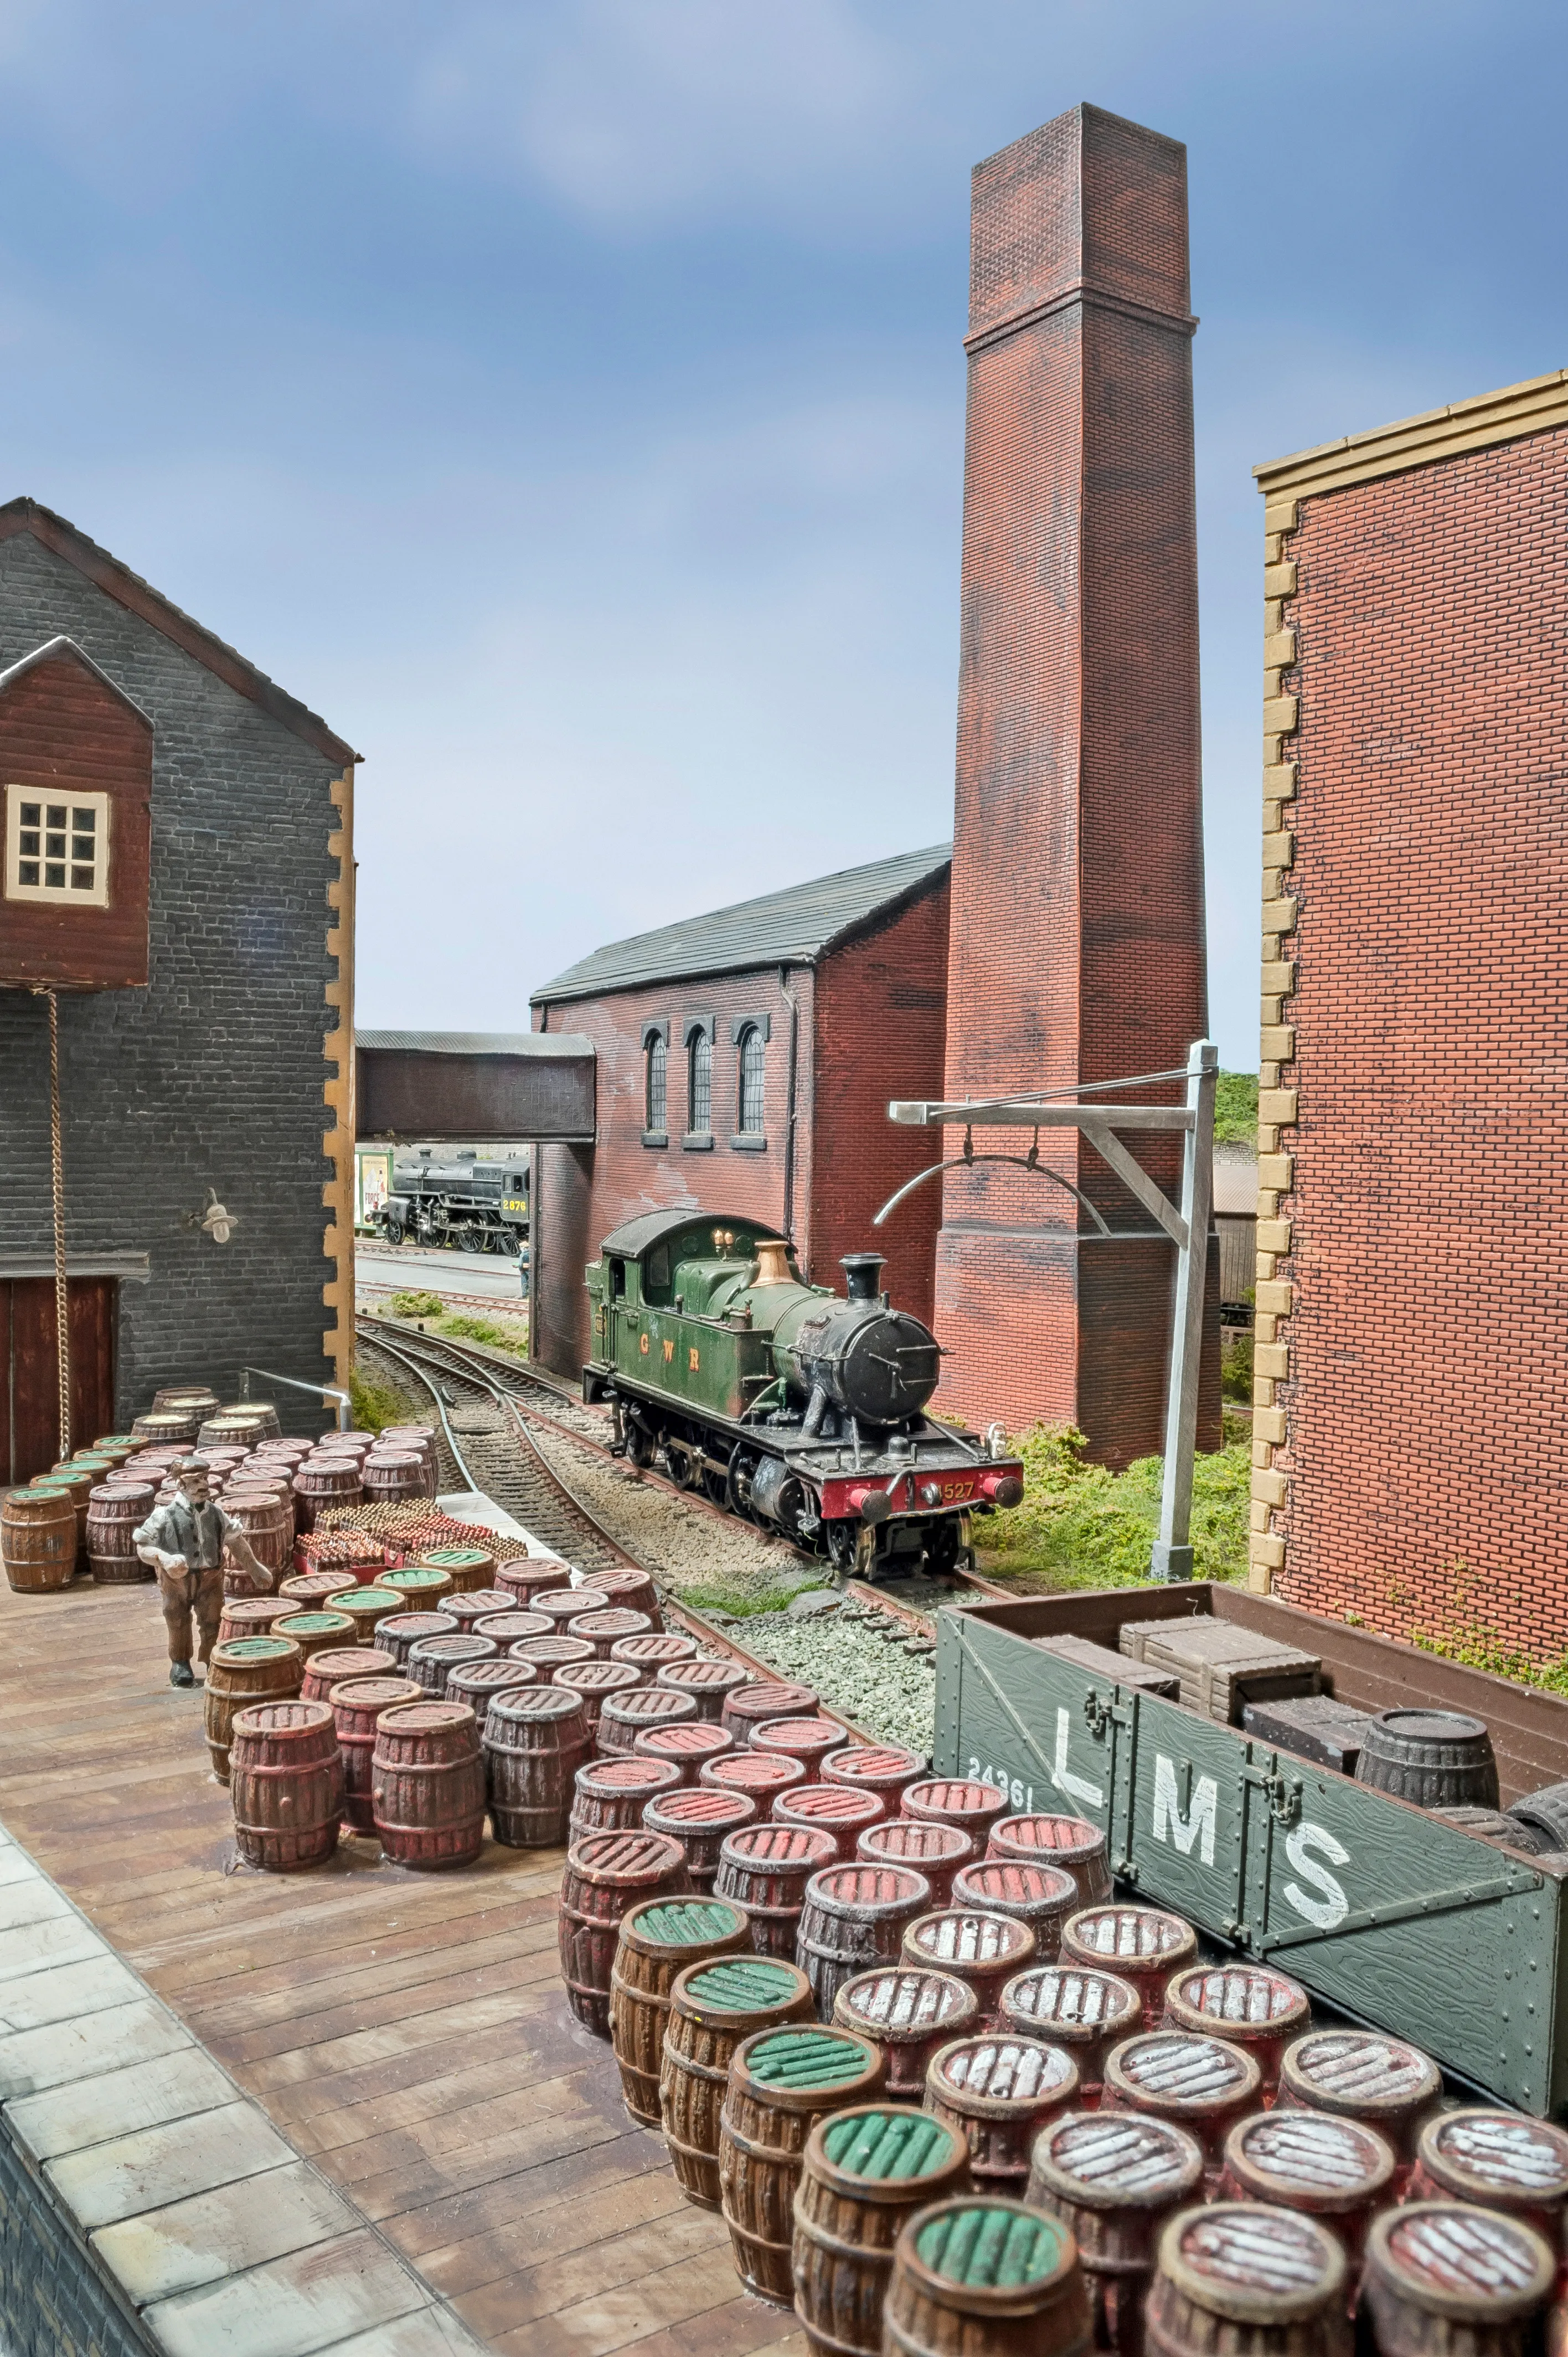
x: 660, y: 1938
x: 990, y: 2278
x: 808, y: 1741
x: 535, y: 1740
x: 592, y: 1681
x: 1043, y: 1897
x: 885, y: 1770
x: 267, y: 1523
x: 832, y: 1809
x: 652, y: 1654
x: 322, y: 1482
x: 1113, y: 2181
x: 689, y: 1745
x: 1250, y: 2005
x: 765, y: 1869
x: 427, y: 1787
x: 286, y: 1778
x: 852, y: 1917
x: 998, y: 2092
x: 962, y: 1801
x: 1339, y: 2169
x: 243, y: 1671
x: 389, y: 1474
x: 983, y: 1951
x: 908, y: 2014
x: 79, y: 1487
x: 707, y: 1681
x: 1359, y: 2074
x: 116, y: 1445
x: 327, y: 1670
x: 196, y: 1399
x: 422, y: 1586
x: 1434, y: 1758
x: 560, y: 1605
x: 526, y: 1576
x: 1086, y: 2012
x: 1142, y: 1945
x: 357, y: 1703
x: 781, y: 2081
x: 252, y: 1615
x: 631, y: 1586
x: 434, y: 1659
x: 312, y: 1591
x: 625, y: 1717
x: 244, y: 1422
x: 1072, y: 1844
x: 864, y: 2173
x: 511, y: 1627
x: 1500, y: 2161
x: 609, y: 1626
x: 400, y: 1633
x: 112, y: 1513
x: 701, y: 1820
x: 551, y: 1653
x: 1445, y: 2280
x: 1204, y: 2084
x: 478, y: 1683
x: 608, y: 1796
x: 467, y: 1567
x: 175, y: 1428
x: 314, y: 1632
x: 469, y: 1605
x: 606, y: 1873
x: 934, y: 1851
x: 748, y: 1707
x: 367, y: 1608
x: 713, y: 2007
x: 1239, y: 2275
x: 760, y: 1775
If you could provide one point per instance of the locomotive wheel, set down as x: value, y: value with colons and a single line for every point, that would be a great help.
x: 684, y: 1463
x: 641, y: 1446
x: 394, y: 1232
x: 471, y: 1240
x: 737, y: 1488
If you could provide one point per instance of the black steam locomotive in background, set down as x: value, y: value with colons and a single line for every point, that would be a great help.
x: 477, y: 1206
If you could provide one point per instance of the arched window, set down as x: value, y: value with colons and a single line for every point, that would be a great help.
x: 700, y: 1097
x: 750, y: 1121
x: 655, y: 1090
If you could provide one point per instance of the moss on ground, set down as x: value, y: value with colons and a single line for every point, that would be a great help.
x: 378, y: 1404
x: 1081, y: 1525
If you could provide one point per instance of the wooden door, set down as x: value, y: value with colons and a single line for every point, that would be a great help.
x: 29, y: 1412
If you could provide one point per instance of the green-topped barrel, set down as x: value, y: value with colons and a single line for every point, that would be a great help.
x: 366, y: 1607
x: 659, y: 1939
x: 781, y: 2083
x: 713, y: 2007
x: 314, y: 1633
x: 864, y: 2173
x: 466, y: 1568
x: 422, y: 1586
x: 39, y: 1537
x: 990, y: 2278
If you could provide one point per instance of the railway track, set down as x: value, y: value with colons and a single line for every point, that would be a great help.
x: 491, y: 1417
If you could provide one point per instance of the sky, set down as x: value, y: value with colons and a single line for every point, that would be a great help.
x: 567, y: 399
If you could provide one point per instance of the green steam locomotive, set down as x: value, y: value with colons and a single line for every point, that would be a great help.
x: 799, y: 1409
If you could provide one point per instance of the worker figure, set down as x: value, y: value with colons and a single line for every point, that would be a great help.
x: 184, y: 1541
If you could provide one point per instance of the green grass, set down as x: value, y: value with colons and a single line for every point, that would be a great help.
x: 1235, y: 1109
x: 742, y: 1604
x: 378, y: 1404
x: 416, y: 1305
x: 1081, y: 1525
x: 509, y: 1334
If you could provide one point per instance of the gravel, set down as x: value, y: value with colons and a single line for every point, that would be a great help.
x: 885, y: 1688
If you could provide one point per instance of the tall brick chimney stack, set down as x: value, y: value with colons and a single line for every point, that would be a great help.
x: 1077, y: 948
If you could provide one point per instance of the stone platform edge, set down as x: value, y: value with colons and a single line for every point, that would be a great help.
x: 146, y: 2203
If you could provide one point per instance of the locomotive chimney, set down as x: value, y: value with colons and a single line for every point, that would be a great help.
x: 862, y: 1271
x: 772, y: 1262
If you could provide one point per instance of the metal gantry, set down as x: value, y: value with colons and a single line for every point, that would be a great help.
x: 1186, y: 1223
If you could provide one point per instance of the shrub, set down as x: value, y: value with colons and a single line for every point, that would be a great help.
x: 416, y: 1305
x: 1236, y: 1365
x: 1080, y: 1526
x: 377, y: 1405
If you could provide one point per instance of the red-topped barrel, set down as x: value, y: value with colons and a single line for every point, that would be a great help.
x: 1072, y: 1844
x: 689, y: 1745
x: 607, y: 1626
x: 625, y: 1717
x: 765, y: 1867
x: 749, y: 1706
x: 478, y: 1683
x: 1043, y: 1897
x: 934, y: 1851
x: 654, y: 1653
x: 852, y: 1917
x: 610, y: 1795
x: 760, y: 1775
x: 357, y: 1703
x: 606, y: 1873
x: 883, y: 1770
x: 710, y: 1681
x: 829, y: 1809
x: 591, y: 1681
x: 966, y: 1802
x: 808, y: 1741
x: 702, y: 1820
x: 325, y: 1671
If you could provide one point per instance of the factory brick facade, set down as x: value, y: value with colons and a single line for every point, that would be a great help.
x: 1411, y: 1450
x: 1078, y: 920
x: 794, y: 1019
x: 225, y: 1074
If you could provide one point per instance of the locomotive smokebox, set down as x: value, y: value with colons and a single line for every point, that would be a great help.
x: 862, y: 1274
x: 877, y: 1365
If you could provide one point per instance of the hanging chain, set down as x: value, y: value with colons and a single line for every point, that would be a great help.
x: 56, y: 1175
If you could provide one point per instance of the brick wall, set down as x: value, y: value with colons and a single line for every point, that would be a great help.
x: 1412, y: 1407
x: 1077, y: 933
x: 213, y: 1076
x: 55, y: 2298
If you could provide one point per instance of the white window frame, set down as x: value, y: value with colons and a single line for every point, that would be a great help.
x: 58, y: 895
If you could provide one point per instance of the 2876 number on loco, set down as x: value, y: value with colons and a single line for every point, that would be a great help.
x: 797, y: 1407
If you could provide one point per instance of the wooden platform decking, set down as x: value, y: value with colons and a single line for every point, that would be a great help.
x: 406, y: 2032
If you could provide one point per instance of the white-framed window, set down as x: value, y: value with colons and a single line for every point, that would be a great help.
x: 57, y: 847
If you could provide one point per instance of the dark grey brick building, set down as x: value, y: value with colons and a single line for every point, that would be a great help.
x: 224, y: 1073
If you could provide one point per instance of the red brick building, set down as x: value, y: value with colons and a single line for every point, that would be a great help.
x: 1078, y: 921
x: 1411, y: 1409
x: 744, y: 1062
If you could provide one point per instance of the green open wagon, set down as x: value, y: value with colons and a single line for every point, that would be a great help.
x: 1401, y: 1920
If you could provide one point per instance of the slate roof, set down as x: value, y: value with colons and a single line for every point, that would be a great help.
x: 552, y: 1044
x: 795, y: 927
